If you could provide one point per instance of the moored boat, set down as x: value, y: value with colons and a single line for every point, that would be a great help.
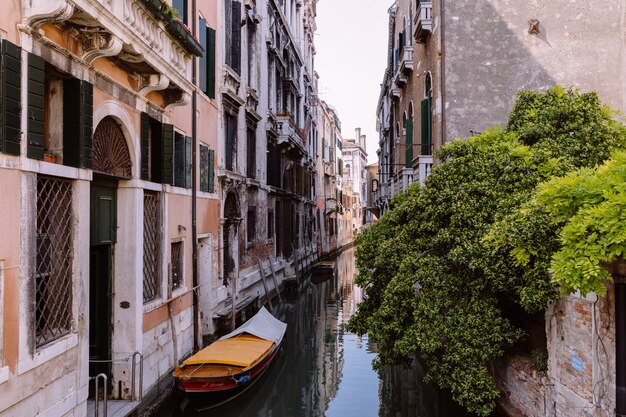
x: 229, y: 366
x: 323, y: 267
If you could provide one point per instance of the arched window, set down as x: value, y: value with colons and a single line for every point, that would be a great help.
x: 427, y: 116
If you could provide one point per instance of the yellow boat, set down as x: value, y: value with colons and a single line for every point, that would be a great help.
x: 228, y: 367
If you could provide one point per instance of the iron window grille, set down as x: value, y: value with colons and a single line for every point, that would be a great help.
x: 151, y: 246
x: 177, y: 264
x: 53, y: 273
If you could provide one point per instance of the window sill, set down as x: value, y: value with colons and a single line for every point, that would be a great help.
x: 4, y: 374
x: 47, y: 353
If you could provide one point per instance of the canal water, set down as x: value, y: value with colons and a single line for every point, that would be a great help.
x: 325, y: 371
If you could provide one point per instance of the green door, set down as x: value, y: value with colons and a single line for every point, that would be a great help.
x: 103, y: 235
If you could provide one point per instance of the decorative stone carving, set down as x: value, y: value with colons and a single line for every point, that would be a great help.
x: 99, y: 44
x: 153, y: 82
x: 110, y: 152
x: 182, y: 100
x: 46, y: 11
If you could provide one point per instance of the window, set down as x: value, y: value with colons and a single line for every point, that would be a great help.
x: 427, y: 117
x: 251, y: 153
x: 207, y: 61
x: 182, y: 161
x: 270, y: 224
x: 207, y: 169
x: 53, y: 272
x: 251, y: 224
x: 151, y: 246
x: 176, y: 265
x: 232, y: 36
x: 157, y: 140
x: 274, y: 166
x: 181, y: 6
x: 230, y: 127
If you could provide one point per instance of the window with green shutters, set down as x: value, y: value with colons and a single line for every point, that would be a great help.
x: 11, y: 98
x: 409, y: 143
x: 181, y: 7
x: 427, y: 126
x: 182, y: 161
x: 36, y: 107
x: 77, y: 123
x: 207, y: 61
x: 207, y: 169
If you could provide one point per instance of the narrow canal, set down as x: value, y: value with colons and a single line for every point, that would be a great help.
x: 325, y: 371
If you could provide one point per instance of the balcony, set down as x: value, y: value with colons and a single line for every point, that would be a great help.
x: 405, y: 65
x: 136, y: 35
x: 423, y: 169
x: 423, y: 21
x: 289, y: 134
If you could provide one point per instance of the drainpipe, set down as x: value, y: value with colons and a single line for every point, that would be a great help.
x: 620, y: 350
x: 442, y: 73
x: 194, y: 187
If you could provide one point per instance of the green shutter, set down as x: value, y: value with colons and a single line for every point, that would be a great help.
x: 202, y: 31
x: 204, y: 168
x: 77, y: 123
x: 211, y: 63
x: 145, y: 146
x: 188, y: 162
x: 426, y: 126
x: 211, y: 170
x: 36, y: 106
x: 11, y: 104
x: 179, y: 160
x: 409, y: 143
x: 167, y: 154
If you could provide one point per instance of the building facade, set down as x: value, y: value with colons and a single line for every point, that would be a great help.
x: 454, y: 68
x: 354, y: 174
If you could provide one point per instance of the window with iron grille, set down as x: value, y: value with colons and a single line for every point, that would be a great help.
x: 177, y: 264
x: 151, y: 246
x: 53, y: 273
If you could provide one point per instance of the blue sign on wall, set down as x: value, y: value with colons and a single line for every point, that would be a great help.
x: 577, y: 363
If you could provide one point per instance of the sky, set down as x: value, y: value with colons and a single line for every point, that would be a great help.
x: 351, y: 45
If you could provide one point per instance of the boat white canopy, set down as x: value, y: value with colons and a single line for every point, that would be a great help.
x: 262, y: 325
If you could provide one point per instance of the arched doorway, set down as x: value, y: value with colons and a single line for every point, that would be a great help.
x: 111, y: 162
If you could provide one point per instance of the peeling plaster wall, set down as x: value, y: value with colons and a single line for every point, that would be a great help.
x: 490, y: 55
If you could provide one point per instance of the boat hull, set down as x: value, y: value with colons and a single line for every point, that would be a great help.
x: 205, y: 393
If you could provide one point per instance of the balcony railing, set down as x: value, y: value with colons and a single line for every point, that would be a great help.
x: 288, y: 131
x: 423, y: 169
x: 423, y: 21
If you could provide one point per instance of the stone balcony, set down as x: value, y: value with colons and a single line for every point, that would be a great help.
x: 289, y: 134
x: 128, y: 32
x: 423, y: 21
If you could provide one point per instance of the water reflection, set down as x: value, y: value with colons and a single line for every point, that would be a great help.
x: 324, y: 370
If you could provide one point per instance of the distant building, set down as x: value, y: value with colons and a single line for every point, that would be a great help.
x: 372, y: 213
x: 354, y: 174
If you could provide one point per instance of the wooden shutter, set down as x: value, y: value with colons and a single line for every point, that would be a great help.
x: 235, y: 50
x: 145, y: 146
x: 36, y: 107
x: 210, y: 52
x: 204, y: 168
x: 409, y: 143
x: 167, y: 154
x: 211, y: 170
x: 202, y: 31
x: 179, y: 160
x: 425, y: 128
x: 188, y: 162
x: 11, y: 99
x: 77, y: 123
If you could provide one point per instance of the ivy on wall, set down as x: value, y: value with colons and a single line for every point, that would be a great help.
x: 435, y: 267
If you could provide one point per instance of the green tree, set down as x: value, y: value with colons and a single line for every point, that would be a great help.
x: 435, y: 267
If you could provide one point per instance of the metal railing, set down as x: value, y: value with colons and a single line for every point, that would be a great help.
x: 105, y: 396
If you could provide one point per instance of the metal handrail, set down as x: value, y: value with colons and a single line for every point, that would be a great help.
x: 133, y: 376
x: 106, y: 395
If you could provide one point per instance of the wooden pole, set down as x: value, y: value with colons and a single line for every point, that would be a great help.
x: 267, y: 294
x: 280, y: 299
